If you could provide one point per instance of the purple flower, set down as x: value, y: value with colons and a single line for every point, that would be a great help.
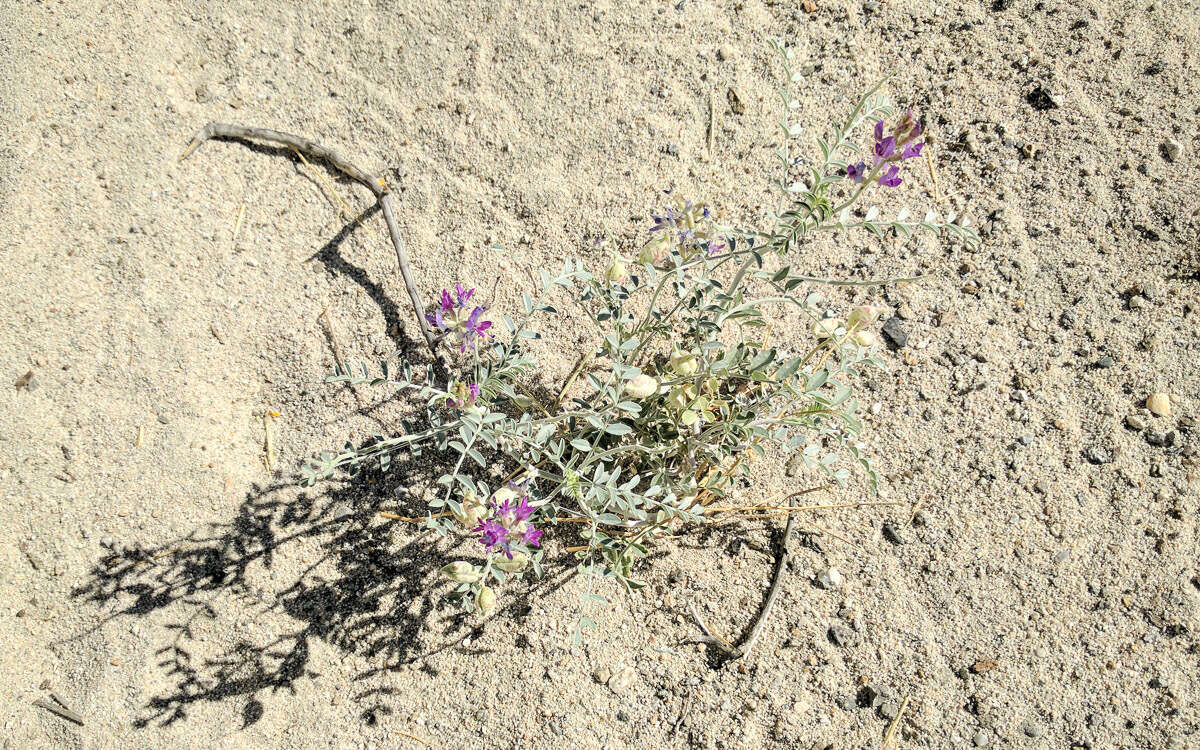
x: 452, y: 316
x: 900, y: 145
x: 464, y: 395
x: 509, y: 524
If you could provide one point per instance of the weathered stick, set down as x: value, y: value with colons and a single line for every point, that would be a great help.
x: 743, y: 651
x: 57, y: 708
x: 375, y: 184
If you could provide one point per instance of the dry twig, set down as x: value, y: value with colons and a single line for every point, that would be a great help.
x: 743, y: 651
x: 375, y: 184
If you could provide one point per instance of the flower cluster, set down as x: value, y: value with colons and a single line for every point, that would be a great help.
x: 464, y: 395
x: 685, y: 225
x: 454, y: 316
x: 898, y: 145
x: 509, y: 523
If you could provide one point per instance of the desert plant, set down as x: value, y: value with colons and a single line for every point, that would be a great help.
x: 682, y: 385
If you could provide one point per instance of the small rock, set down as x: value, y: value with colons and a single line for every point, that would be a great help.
x: 1104, y: 362
x: 602, y: 674
x: 830, y: 578
x: 794, y: 466
x: 1137, y: 302
x: 1041, y: 99
x: 1033, y: 729
x: 1134, y: 422
x: 981, y: 738
x: 1160, y: 439
x: 892, y: 534
x: 106, y: 542
x: 843, y: 636
x: 725, y: 53
x: 736, y: 105
x: 895, y: 334
x: 1097, y: 455
x: 1068, y: 319
x: 622, y: 680
x: 1159, y: 404
x: 1171, y: 149
x: 889, y: 710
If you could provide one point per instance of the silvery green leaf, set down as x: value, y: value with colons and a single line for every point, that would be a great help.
x: 872, y: 213
x: 581, y: 445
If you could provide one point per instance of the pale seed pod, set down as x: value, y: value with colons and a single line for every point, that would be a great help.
x: 656, y: 250
x: 616, y: 272
x: 461, y: 571
x: 684, y: 364
x: 825, y: 329
x: 865, y: 315
x: 486, y: 600
x: 642, y: 386
x: 866, y: 339
x: 519, y: 562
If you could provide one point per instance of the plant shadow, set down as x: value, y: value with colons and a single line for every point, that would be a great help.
x: 367, y: 586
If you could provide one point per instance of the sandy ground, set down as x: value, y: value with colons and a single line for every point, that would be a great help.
x: 1046, y: 594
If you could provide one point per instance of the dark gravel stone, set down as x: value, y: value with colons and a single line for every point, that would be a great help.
x: 894, y: 333
x: 1041, y: 99
x: 1104, y: 362
x: 892, y: 534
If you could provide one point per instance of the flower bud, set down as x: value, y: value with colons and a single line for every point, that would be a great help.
x: 461, y: 571
x: 824, y: 329
x: 642, y: 386
x: 684, y: 363
x: 518, y: 563
x: 865, y: 315
x: 866, y: 339
x: 616, y: 272
x: 486, y: 600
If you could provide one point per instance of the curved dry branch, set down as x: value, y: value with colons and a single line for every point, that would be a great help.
x: 376, y: 185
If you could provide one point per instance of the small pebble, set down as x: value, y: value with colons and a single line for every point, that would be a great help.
x: 622, y: 680
x: 842, y: 635
x: 1134, y: 422
x: 1159, y: 404
x: 1104, y: 362
x: 1172, y: 149
x: 981, y: 738
x: 830, y: 578
x: 894, y: 333
x: 892, y: 534
x: 1097, y: 455
x: 1033, y: 729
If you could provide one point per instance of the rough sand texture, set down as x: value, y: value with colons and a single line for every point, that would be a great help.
x: 1049, y: 599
